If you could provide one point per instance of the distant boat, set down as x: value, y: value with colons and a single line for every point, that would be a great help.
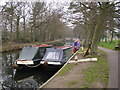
x: 31, y: 56
x: 56, y: 57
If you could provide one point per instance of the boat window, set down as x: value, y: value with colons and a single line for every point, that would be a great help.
x: 42, y: 52
x: 53, y: 55
x: 68, y: 53
x: 64, y: 54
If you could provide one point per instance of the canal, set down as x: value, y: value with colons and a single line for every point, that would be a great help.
x: 11, y: 78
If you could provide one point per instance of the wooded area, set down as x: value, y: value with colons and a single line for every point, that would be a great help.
x: 32, y: 22
x: 95, y: 21
x: 24, y: 22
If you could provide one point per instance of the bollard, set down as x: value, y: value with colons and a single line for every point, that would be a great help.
x: 76, y: 58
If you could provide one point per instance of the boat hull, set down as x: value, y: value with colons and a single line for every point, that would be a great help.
x: 51, y: 67
x: 25, y: 66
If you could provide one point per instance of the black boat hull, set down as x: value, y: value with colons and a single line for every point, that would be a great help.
x: 51, y: 67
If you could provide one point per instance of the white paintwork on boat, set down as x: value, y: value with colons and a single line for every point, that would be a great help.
x: 51, y: 63
x: 25, y: 62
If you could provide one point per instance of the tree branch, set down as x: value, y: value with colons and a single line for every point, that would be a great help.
x: 85, y: 6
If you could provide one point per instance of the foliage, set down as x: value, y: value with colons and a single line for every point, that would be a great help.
x: 94, y: 20
x: 38, y: 22
x: 32, y: 22
x: 109, y: 45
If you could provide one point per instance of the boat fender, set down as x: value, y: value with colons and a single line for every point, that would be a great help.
x: 45, y: 63
x: 15, y: 66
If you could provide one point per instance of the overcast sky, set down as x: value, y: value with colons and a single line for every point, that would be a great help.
x: 2, y: 2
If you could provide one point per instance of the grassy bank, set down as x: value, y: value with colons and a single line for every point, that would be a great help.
x: 83, y: 75
x: 97, y: 73
x: 11, y: 46
x: 66, y: 69
x: 109, y: 45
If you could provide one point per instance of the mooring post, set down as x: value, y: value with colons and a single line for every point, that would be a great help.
x: 82, y: 49
x: 76, y: 59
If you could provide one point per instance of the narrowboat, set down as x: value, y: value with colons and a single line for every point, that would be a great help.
x: 30, y: 56
x: 56, y: 57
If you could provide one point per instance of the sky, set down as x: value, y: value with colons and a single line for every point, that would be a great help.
x: 2, y: 2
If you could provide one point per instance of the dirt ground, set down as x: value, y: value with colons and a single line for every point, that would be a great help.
x: 75, y: 75
x: 73, y: 79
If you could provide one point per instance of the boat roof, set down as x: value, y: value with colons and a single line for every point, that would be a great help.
x: 63, y: 47
x: 44, y: 45
x: 28, y: 53
x: 31, y: 52
x: 53, y: 54
x: 56, y: 54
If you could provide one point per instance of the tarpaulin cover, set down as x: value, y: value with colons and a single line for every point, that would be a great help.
x: 29, y: 53
x: 54, y: 54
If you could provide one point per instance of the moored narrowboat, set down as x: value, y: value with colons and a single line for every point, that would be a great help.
x: 56, y: 57
x: 30, y: 56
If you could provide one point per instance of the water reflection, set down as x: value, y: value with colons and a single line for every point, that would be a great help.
x: 32, y: 78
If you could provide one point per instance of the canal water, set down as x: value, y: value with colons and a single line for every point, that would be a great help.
x: 11, y: 78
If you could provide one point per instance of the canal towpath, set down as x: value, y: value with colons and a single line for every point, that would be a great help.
x: 63, y: 80
x: 73, y: 79
x: 112, y: 57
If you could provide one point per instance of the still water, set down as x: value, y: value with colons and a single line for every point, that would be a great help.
x: 12, y: 78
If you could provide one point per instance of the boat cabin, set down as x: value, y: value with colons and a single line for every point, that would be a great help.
x: 31, y: 54
x: 57, y: 56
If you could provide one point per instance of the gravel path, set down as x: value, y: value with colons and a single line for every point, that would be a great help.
x: 112, y: 57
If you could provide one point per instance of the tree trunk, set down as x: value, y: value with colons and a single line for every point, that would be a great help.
x: 11, y: 27
x: 31, y: 34
x: 17, y: 28
x: 111, y: 37
x: 4, y: 32
x: 24, y: 27
x: 99, y: 29
x: 91, y: 27
x: 11, y: 21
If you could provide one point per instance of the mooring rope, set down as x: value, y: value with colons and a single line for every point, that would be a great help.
x: 33, y: 66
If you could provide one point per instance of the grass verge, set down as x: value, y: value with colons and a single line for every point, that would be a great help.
x: 72, y: 83
x: 109, y: 45
x: 97, y: 72
x: 66, y: 69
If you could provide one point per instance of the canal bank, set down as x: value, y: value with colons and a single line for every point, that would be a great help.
x: 81, y: 75
x: 12, y: 46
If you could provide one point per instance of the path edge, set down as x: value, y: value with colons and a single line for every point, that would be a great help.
x: 57, y: 71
